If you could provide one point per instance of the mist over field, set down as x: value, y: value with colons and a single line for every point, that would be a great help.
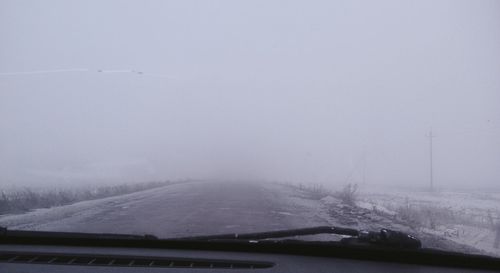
x: 323, y: 92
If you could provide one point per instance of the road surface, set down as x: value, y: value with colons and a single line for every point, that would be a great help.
x: 193, y: 208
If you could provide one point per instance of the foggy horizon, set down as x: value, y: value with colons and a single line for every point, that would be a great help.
x: 255, y: 90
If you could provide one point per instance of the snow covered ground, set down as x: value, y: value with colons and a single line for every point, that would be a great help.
x: 371, y: 212
x: 466, y: 217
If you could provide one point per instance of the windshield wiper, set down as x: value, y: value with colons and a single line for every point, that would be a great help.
x: 4, y: 232
x: 384, y: 237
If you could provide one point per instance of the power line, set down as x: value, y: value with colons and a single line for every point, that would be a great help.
x: 84, y: 70
x: 50, y: 71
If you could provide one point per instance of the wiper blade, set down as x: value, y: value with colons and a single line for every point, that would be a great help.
x: 384, y: 237
x: 4, y: 232
x: 278, y: 233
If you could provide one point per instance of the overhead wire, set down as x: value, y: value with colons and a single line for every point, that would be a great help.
x: 83, y: 70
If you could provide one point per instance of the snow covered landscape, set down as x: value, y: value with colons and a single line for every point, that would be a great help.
x: 456, y: 221
x: 468, y: 218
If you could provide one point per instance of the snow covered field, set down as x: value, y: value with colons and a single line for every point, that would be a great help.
x: 465, y: 217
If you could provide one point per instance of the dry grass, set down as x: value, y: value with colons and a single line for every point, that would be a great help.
x: 17, y: 201
x: 348, y: 195
x: 315, y: 191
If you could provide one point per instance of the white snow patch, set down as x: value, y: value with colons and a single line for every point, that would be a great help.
x: 375, y: 207
x: 330, y: 200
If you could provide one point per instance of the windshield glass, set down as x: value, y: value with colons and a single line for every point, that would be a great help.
x: 189, y: 118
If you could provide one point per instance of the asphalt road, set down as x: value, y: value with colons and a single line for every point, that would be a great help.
x: 194, y: 208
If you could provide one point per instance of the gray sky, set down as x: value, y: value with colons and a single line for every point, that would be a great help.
x: 303, y: 91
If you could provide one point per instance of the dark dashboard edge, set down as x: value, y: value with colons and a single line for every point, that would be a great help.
x: 428, y: 257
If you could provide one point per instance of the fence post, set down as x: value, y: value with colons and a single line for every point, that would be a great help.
x: 495, y: 225
x: 497, y: 237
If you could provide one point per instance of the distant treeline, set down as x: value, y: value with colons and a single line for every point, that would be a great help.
x: 23, y: 200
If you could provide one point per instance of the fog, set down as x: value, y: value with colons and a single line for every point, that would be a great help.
x: 327, y: 92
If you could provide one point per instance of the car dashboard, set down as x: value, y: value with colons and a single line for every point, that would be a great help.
x: 75, y: 259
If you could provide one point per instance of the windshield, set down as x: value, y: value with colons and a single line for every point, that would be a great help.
x: 190, y: 118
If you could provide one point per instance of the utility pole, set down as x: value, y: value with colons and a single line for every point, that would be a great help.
x: 364, y: 167
x: 431, y: 136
